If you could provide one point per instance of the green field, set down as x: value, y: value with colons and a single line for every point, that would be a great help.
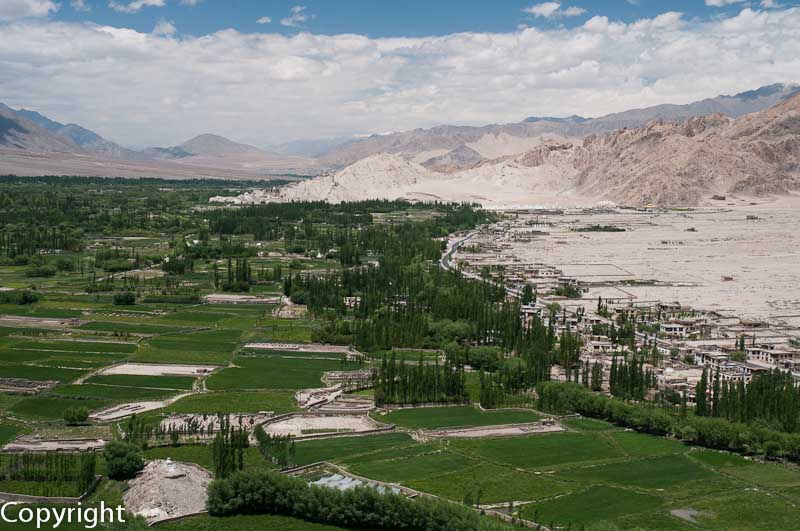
x: 112, y: 393
x: 245, y: 523
x: 272, y: 373
x: 213, y: 347
x: 447, y: 417
x: 37, y: 373
x: 235, y: 402
x: 51, y: 408
x: 132, y: 380
x: 596, y: 503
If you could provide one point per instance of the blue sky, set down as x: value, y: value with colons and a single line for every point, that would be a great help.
x: 382, y: 18
x: 157, y: 72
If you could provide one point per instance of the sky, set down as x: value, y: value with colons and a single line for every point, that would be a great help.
x: 157, y: 72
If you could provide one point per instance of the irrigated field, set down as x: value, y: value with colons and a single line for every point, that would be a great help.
x: 269, y: 372
x: 592, y: 475
x: 448, y: 417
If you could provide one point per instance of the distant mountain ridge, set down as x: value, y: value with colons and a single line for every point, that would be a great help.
x: 661, y: 162
x: 414, y: 144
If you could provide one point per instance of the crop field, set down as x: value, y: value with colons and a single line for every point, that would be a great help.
x: 133, y: 380
x: 132, y: 328
x: 594, y: 473
x: 39, y: 373
x: 112, y: 393
x: 75, y: 346
x: 245, y: 523
x: 285, y: 330
x: 210, y: 347
x: 291, y: 354
x: 51, y: 408
x: 235, y: 402
x: 447, y: 417
x: 265, y: 372
x: 313, y: 451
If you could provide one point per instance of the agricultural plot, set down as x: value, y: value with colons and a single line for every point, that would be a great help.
x: 132, y: 328
x: 285, y: 330
x: 213, y: 347
x: 93, y: 347
x: 593, y: 504
x: 246, y: 523
x: 153, y: 382
x: 313, y: 451
x: 40, y: 373
x: 51, y: 408
x: 112, y: 393
x: 272, y: 373
x: 235, y: 402
x: 540, y: 451
x: 448, y: 417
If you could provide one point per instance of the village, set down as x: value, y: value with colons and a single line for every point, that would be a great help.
x: 600, y: 302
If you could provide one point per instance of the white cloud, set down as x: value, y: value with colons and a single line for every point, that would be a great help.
x: 553, y: 9
x: 16, y: 9
x: 264, y: 89
x: 80, y: 5
x: 135, y: 6
x: 770, y: 4
x: 297, y: 16
x: 722, y: 3
x: 264, y: 20
x: 164, y: 28
x: 574, y: 11
x: 190, y: 3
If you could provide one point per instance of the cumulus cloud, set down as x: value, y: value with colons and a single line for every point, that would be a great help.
x: 16, y: 9
x: 553, y: 9
x: 134, y: 6
x: 264, y: 89
x: 80, y: 5
x: 264, y: 20
x: 297, y: 16
x: 722, y: 3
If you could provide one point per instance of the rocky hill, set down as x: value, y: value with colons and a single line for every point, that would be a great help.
x: 662, y: 162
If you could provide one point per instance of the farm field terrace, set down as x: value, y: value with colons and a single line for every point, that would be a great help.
x: 597, y: 478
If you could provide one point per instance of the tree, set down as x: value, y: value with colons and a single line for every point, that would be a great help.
x: 76, y: 415
x: 123, y: 460
x: 125, y: 298
x: 701, y: 398
x: 528, y: 295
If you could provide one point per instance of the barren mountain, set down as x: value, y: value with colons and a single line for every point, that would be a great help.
x: 439, y: 140
x: 87, y: 140
x: 381, y: 176
x: 679, y: 163
x: 667, y: 163
x: 209, y: 145
x: 19, y: 133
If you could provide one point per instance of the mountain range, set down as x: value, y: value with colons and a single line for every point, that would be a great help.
x: 664, y: 154
x: 33, y: 144
x: 662, y: 162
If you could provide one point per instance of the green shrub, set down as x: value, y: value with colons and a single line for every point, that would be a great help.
x: 123, y: 460
x: 125, y: 298
x: 267, y: 492
x: 76, y: 415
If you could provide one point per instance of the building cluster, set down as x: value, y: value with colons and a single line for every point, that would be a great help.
x: 679, y: 341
